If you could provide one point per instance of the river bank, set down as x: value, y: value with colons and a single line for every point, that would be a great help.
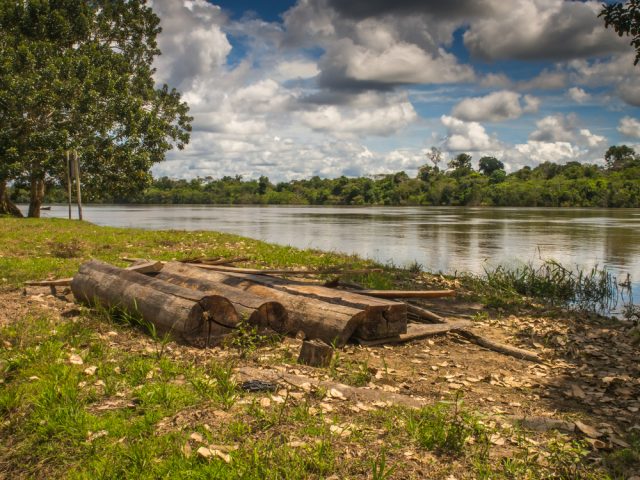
x: 84, y: 396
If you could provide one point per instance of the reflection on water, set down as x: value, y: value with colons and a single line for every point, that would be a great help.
x: 441, y: 239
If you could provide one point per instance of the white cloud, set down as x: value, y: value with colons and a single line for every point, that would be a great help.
x: 382, y: 119
x: 630, y: 127
x: 564, y: 128
x: 578, y: 95
x: 467, y: 136
x: 495, y: 107
x: 288, y: 70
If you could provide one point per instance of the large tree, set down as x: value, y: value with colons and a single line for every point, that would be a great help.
x: 624, y: 17
x: 77, y: 75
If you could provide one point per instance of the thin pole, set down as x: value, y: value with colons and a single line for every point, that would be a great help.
x: 68, y: 172
x: 76, y: 168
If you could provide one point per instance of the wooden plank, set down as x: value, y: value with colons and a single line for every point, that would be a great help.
x: 417, y: 331
x: 407, y: 293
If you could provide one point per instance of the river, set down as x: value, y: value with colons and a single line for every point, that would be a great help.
x: 440, y: 239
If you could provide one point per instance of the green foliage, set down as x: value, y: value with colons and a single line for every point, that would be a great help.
x: 444, y: 427
x: 547, y: 185
x: 77, y: 75
x: 591, y: 290
x: 624, y: 17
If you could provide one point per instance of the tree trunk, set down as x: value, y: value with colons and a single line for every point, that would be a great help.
x: 7, y: 207
x: 196, y: 317
x: 259, y: 311
x: 383, y: 318
x: 37, y: 197
x: 332, y: 323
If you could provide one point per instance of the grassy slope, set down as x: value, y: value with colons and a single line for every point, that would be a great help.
x: 136, y: 413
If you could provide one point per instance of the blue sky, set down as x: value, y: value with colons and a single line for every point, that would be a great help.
x: 291, y: 89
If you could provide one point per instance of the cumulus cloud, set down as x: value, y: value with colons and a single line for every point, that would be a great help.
x: 564, y: 128
x: 578, y: 95
x: 630, y: 127
x: 467, y: 136
x: 495, y: 107
x: 384, y: 118
x: 375, y: 53
x: 542, y: 29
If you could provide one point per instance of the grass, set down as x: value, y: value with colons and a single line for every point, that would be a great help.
x: 139, y: 407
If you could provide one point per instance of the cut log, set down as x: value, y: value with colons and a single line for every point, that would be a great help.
x: 407, y: 293
x: 315, y: 353
x: 333, y: 324
x: 499, y: 347
x: 355, y: 394
x: 190, y: 315
x: 383, y: 318
x: 417, y: 331
x: 259, y: 311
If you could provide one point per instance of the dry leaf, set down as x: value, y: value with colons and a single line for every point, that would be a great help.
x: 90, y: 370
x: 204, y: 452
x: 588, y: 430
x: 196, y: 437
x: 75, y: 359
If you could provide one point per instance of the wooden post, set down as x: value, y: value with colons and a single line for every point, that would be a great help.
x: 76, y: 169
x: 68, y: 172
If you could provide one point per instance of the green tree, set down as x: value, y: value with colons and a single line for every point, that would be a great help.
x: 624, y: 17
x: 488, y: 165
x: 619, y: 156
x: 77, y: 75
x: 461, y: 164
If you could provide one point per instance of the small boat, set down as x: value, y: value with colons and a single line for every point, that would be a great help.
x: 45, y: 208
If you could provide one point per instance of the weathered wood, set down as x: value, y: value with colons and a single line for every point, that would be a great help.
x: 407, y: 293
x: 189, y: 314
x: 61, y: 282
x: 417, y: 331
x: 315, y: 353
x: 259, y: 311
x: 423, y: 313
x: 355, y: 394
x: 256, y: 271
x: 143, y: 267
x: 383, y: 318
x: 146, y: 267
x: 499, y: 347
x: 332, y: 323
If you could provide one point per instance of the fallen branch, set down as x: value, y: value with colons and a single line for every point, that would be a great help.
x: 423, y: 313
x: 417, y: 331
x: 255, y: 271
x: 145, y: 266
x: 498, y: 347
x: 407, y: 293
x: 61, y: 282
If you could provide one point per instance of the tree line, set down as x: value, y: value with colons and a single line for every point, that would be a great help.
x: 573, y: 184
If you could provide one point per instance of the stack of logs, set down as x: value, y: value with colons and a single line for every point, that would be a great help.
x: 203, y: 302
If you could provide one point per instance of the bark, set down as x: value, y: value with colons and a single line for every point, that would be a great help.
x: 383, y: 318
x: 193, y: 316
x: 333, y: 324
x: 7, y: 207
x: 259, y: 311
x: 37, y: 197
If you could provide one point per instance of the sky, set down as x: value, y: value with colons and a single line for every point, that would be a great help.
x: 293, y: 89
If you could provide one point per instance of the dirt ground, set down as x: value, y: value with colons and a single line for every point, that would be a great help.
x: 590, y: 371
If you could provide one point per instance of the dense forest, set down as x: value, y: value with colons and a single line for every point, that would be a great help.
x: 616, y: 184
